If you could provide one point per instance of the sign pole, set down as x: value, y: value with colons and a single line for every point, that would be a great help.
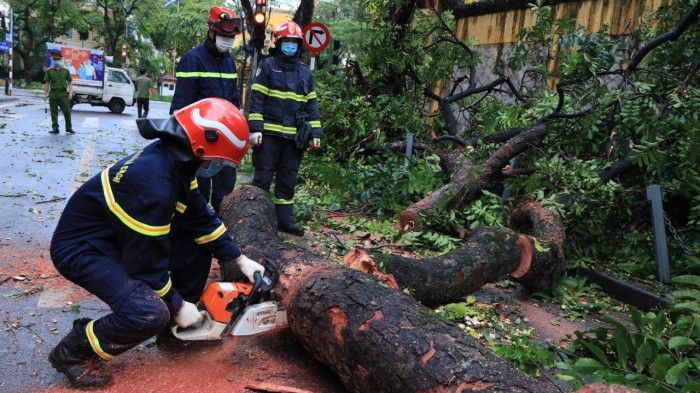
x: 312, y: 65
x: 12, y: 44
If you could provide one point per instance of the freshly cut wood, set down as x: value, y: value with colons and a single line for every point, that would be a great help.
x: 374, y: 338
x: 274, y: 388
x: 487, y: 255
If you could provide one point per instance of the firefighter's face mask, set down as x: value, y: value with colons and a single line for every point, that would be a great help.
x: 214, y: 167
x: 290, y: 48
x: 223, y: 44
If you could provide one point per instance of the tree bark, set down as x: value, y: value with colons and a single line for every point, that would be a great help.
x: 487, y: 255
x: 304, y: 13
x: 375, y: 339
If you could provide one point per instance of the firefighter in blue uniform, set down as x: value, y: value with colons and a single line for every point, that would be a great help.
x: 283, y: 118
x: 208, y: 70
x: 115, y: 235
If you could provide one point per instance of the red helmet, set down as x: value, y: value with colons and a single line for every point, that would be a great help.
x: 224, y: 22
x: 216, y: 129
x: 288, y: 29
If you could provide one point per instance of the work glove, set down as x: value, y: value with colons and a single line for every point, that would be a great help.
x: 315, y: 143
x: 188, y: 315
x: 256, y: 138
x: 249, y: 267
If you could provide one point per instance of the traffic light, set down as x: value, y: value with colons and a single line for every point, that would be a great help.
x: 125, y: 50
x: 259, y: 19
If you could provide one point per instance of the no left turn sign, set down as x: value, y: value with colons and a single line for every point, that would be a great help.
x: 316, y: 37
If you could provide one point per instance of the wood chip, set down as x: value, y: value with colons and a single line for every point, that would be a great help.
x: 274, y: 388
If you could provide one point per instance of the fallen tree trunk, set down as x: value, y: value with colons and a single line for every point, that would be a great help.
x: 487, y: 255
x: 469, y: 180
x: 375, y: 339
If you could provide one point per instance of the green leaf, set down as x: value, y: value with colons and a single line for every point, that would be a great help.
x: 685, y: 294
x: 687, y: 280
x: 539, y: 247
x: 677, y: 372
x: 687, y: 306
x: 623, y: 346
x: 661, y: 365
x: 637, y: 318
x: 679, y: 342
x: 644, y: 353
x: 587, y: 365
x: 597, y: 351
x: 564, y: 377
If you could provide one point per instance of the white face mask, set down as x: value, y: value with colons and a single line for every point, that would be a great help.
x: 223, y: 44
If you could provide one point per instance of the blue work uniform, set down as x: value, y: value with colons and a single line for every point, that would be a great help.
x: 204, y: 72
x: 115, y: 238
x: 282, y: 97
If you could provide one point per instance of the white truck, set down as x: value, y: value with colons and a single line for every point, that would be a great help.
x: 116, y: 93
x: 93, y: 82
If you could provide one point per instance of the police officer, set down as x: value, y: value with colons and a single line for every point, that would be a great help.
x: 115, y: 234
x: 283, y: 118
x: 208, y: 70
x: 58, y: 88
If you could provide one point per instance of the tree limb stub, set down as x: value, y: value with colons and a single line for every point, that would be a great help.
x: 488, y: 255
x: 373, y: 338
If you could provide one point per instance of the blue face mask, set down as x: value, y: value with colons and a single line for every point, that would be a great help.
x: 290, y: 48
x: 213, y: 168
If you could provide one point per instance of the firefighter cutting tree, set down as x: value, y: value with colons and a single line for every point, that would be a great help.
x: 115, y: 234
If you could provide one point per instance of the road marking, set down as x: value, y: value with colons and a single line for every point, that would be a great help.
x: 91, y: 123
x: 85, y: 162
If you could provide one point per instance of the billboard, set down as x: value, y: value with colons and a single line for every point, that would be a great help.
x: 86, y: 66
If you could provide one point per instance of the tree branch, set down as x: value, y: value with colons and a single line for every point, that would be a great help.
x: 688, y: 20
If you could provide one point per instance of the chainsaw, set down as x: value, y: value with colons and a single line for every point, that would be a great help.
x: 237, y: 308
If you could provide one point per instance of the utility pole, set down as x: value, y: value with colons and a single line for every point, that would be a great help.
x: 12, y: 44
x: 175, y: 44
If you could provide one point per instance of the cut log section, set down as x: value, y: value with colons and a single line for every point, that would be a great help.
x: 375, y: 339
x: 487, y: 255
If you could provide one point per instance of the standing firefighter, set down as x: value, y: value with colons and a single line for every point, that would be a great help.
x: 208, y: 70
x: 283, y: 109
x: 58, y: 88
x: 115, y: 235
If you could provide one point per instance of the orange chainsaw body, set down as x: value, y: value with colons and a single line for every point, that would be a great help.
x: 218, y: 295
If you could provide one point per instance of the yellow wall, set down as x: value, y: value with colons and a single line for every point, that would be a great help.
x: 277, y: 17
x: 503, y: 27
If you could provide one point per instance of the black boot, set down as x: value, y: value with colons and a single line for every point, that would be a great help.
x: 71, y: 356
x: 285, y: 220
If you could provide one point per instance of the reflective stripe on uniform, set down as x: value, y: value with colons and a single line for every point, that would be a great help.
x: 138, y: 226
x: 283, y: 95
x: 180, y: 207
x: 315, y: 123
x: 279, y: 128
x: 197, y: 74
x: 163, y: 291
x: 194, y: 184
x: 212, y: 236
x: 255, y: 117
x: 280, y: 201
x: 95, y: 343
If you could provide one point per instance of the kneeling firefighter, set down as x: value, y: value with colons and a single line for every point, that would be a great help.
x: 283, y: 118
x: 116, y: 232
